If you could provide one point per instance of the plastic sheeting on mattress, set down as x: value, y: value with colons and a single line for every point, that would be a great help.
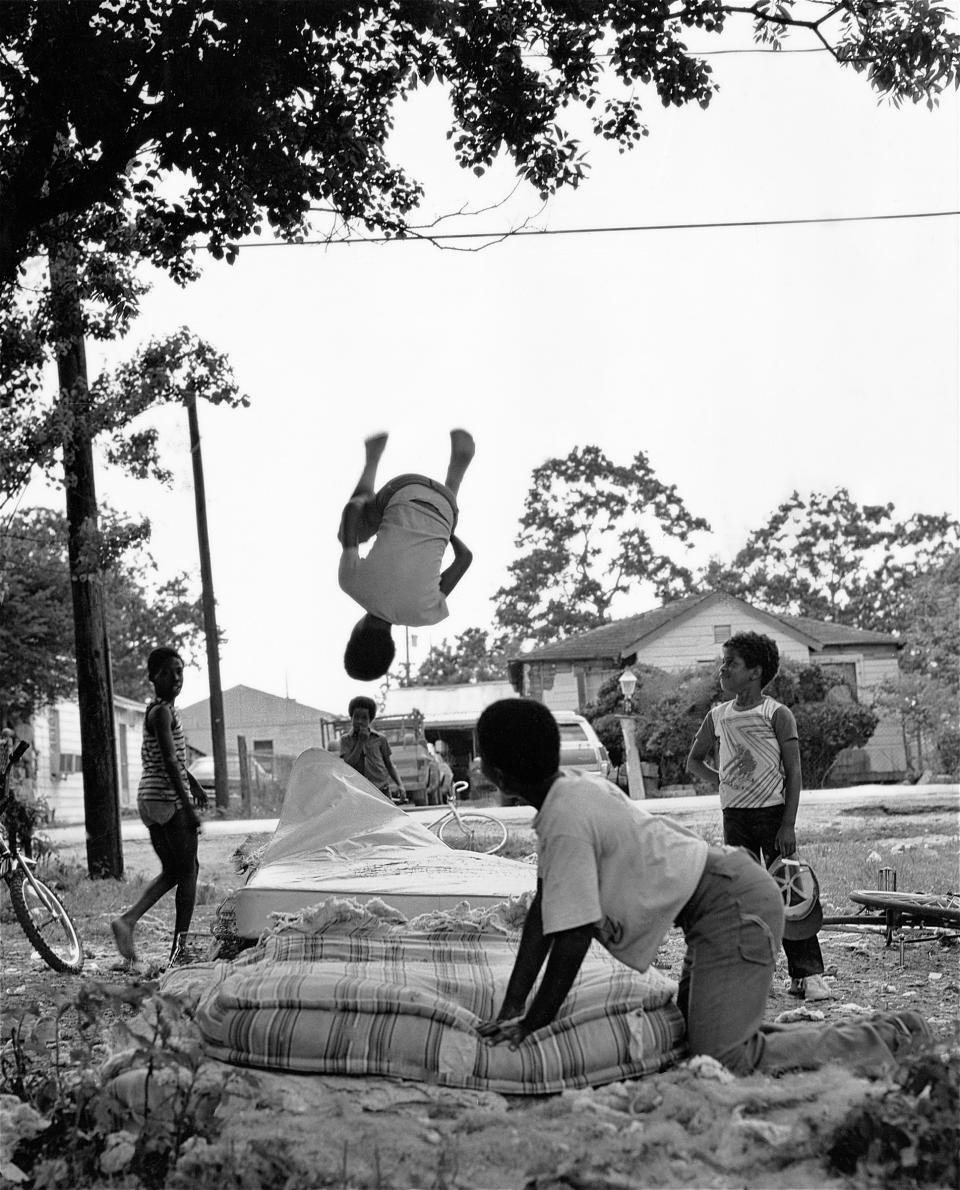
x: 338, y: 836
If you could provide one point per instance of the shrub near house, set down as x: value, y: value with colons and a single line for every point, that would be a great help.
x: 672, y: 707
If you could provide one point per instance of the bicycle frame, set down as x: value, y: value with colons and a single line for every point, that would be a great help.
x: 10, y: 861
x: 60, y: 948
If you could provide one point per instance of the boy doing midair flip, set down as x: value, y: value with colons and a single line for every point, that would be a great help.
x: 400, y: 581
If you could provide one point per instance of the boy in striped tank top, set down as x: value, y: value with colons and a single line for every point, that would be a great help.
x: 758, y: 777
x: 166, y: 806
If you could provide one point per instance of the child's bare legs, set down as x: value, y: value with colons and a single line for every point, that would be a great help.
x: 122, y: 926
x: 373, y: 451
x: 462, y: 449
x: 363, y: 493
x: 175, y: 843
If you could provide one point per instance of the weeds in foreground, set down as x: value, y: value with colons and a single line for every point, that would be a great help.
x: 910, y: 1136
x: 68, y: 1120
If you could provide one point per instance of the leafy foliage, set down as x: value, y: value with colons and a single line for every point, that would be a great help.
x: 910, y: 1135
x: 472, y: 657
x: 671, y: 707
x: 166, y: 371
x: 207, y: 120
x: 36, y: 623
x: 591, y: 530
x: 77, y: 1121
x: 929, y: 710
x: 827, y: 557
x: 931, y: 622
x: 653, y: 685
x: 827, y: 719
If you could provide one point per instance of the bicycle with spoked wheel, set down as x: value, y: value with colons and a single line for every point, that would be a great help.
x: 468, y: 830
x: 37, y: 908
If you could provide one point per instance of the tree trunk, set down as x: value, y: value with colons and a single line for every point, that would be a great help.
x: 101, y: 782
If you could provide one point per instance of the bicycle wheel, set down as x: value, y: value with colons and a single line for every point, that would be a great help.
x: 46, y: 923
x: 473, y: 832
x: 942, y: 909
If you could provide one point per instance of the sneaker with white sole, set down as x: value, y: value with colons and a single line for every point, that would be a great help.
x: 814, y: 988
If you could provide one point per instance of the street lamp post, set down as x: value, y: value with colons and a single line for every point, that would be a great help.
x: 628, y: 725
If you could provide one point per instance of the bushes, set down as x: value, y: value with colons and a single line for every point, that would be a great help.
x: 911, y: 1135
x: 672, y: 707
x: 824, y: 730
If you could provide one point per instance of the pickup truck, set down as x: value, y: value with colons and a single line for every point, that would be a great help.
x: 415, y: 760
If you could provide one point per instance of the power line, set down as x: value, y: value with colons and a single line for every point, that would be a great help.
x: 418, y: 237
x: 813, y: 49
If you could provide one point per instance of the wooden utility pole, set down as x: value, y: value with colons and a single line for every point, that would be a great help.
x: 218, y: 734
x: 98, y: 745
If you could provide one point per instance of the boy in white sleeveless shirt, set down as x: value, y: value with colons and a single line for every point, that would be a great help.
x: 758, y: 778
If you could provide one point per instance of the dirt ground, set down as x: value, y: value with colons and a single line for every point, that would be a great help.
x: 681, y: 1128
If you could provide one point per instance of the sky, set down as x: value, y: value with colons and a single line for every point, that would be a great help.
x: 746, y: 362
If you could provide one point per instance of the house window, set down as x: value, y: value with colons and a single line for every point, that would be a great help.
x: 721, y: 632
x: 263, y: 746
x: 847, y: 670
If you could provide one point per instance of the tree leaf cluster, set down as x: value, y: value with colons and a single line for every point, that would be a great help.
x: 669, y: 708
x: 591, y: 530
x: 909, y: 1135
x: 177, y: 123
x: 830, y: 558
x: 471, y: 657
x: 167, y: 371
x: 37, y: 647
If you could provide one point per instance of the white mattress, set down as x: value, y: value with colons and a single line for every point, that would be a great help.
x: 338, y: 836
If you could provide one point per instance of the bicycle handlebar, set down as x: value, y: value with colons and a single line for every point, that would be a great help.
x: 19, y: 748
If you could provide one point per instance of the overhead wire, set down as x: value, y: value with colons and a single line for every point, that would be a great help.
x: 414, y: 236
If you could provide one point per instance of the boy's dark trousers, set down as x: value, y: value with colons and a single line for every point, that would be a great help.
x: 756, y: 830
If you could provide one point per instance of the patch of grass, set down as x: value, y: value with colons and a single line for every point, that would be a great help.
x: 846, y: 865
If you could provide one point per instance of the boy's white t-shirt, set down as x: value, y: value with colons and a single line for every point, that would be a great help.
x: 751, y: 768
x: 606, y: 861
x: 399, y: 579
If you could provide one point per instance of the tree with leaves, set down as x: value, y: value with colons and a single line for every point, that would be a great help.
x: 47, y: 431
x: 163, y: 372
x: 591, y: 530
x: 202, y: 121
x: 36, y: 628
x: 830, y: 558
x: 925, y: 697
x: 471, y: 657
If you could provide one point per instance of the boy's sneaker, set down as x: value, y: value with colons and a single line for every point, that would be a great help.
x: 811, y: 988
x: 814, y: 988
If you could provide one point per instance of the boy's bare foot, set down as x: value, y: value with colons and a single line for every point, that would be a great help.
x: 462, y: 444
x: 375, y: 446
x: 123, y: 936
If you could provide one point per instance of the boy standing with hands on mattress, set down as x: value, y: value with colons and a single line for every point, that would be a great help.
x: 400, y: 581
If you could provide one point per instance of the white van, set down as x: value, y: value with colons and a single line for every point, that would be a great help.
x: 579, y: 749
x: 579, y: 746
